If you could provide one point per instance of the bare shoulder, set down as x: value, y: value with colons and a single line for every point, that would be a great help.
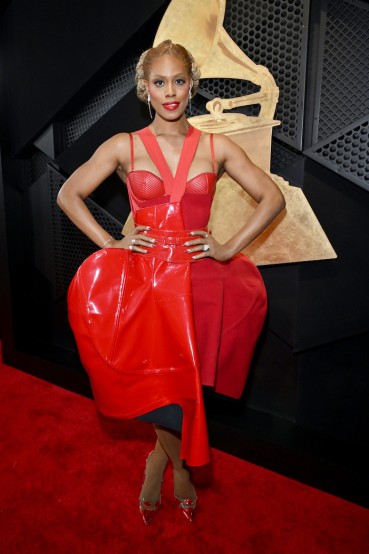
x: 225, y: 148
x: 224, y: 143
x: 115, y: 148
x: 117, y: 142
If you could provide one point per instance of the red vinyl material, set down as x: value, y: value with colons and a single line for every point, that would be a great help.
x: 151, y: 328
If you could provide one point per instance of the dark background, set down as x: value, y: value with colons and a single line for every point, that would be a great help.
x: 67, y: 84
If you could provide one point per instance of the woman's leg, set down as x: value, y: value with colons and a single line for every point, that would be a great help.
x: 170, y: 442
x: 155, y: 466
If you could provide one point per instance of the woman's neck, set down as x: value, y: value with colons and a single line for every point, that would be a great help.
x: 161, y: 126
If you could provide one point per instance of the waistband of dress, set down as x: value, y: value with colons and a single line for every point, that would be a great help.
x: 169, y: 245
x: 172, y: 236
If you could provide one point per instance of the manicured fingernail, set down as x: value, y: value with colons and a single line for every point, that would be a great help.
x: 186, y: 244
x: 148, y: 228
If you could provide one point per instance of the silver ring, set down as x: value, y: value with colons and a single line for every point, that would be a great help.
x: 206, y: 247
x: 133, y: 241
x: 131, y: 247
x: 206, y: 235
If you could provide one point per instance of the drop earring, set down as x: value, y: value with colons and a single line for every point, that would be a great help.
x: 148, y: 103
x: 189, y: 99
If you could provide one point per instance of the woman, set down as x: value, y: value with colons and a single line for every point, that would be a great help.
x: 179, y: 309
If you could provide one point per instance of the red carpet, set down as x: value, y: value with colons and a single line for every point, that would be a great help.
x: 70, y: 482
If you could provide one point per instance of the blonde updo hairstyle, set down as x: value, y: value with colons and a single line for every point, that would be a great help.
x: 164, y: 48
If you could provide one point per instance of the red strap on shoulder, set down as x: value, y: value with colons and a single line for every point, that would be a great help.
x: 131, y: 150
x: 212, y: 152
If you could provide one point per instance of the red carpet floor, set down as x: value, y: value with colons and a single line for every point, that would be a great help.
x: 70, y: 481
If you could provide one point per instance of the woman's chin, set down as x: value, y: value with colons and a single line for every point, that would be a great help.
x: 171, y: 115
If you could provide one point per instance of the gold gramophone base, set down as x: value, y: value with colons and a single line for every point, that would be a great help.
x: 294, y: 236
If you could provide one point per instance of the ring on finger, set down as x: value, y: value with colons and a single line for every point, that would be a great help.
x: 206, y: 247
x: 206, y: 235
x: 133, y: 241
x: 131, y: 247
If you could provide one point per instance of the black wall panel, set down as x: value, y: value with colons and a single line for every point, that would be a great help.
x: 333, y: 297
x: 344, y: 66
x: 338, y: 131
x: 125, y: 116
x: 333, y: 389
x: 52, y: 49
x: 103, y: 98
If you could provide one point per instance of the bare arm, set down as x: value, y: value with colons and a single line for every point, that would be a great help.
x: 258, y: 185
x: 85, y: 180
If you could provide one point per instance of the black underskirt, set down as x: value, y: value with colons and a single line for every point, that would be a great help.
x: 166, y: 416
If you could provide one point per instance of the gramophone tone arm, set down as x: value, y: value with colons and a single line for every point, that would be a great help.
x: 266, y: 99
x: 217, y: 105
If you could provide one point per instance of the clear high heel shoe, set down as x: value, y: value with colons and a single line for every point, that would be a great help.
x: 146, y: 507
x: 187, y: 505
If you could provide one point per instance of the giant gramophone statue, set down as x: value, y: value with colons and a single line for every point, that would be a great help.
x: 296, y: 234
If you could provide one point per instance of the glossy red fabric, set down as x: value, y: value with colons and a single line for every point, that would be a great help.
x: 132, y: 318
x: 146, y: 323
x: 229, y: 303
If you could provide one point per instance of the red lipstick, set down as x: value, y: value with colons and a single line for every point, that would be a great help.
x: 171, y: 105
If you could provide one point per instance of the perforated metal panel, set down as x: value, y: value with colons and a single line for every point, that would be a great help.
x: 347, y: 152
x: 344, y: 91
x: 71, y: 246
x: 342, y: 94
x: 120, y: 83
x: 274, y: 34
x: 283, y: 156
x: 197, y: 106
x: 38, y: 167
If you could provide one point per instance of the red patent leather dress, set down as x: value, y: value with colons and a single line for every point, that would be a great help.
x: 152, y: 328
